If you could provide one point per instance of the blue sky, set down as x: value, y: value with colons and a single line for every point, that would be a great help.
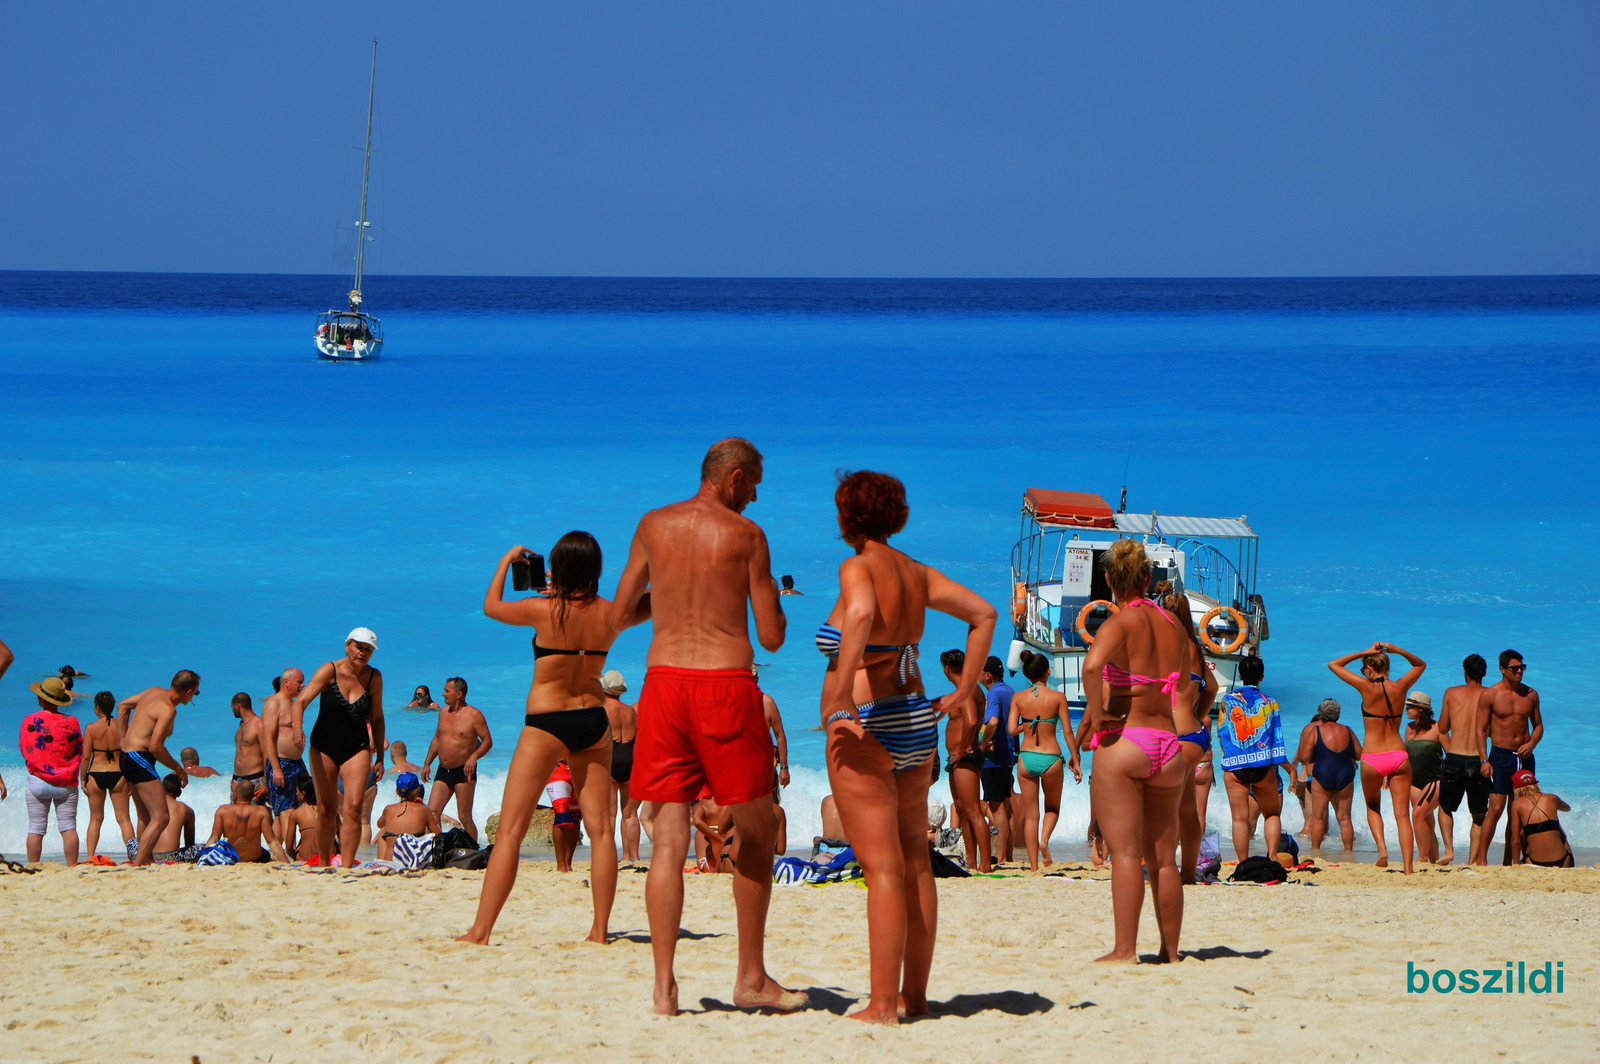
x: 883, y: 139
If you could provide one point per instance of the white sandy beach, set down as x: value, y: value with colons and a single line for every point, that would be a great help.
x: 273, y: 963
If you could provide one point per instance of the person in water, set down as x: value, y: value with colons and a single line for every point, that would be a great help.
x: 190, y: 758
x: 788, y: 586
x: 882, y: 733
x: 624, y: 727
x: 565, y: 720
x: 1135, y: 675
x: 460, y: 740
x: 347, y: 742
x: 422, y: 699
x: 1251, y: 735
x: 697, y: 570
x: 102, y: 779
x: 1036, y: 715
x: 1466, y: 771
x: 146, y: 721
x: 1192, y: 718
x: 409, y: 816
x: 1426, y: 753
x: 1384, y: 764
x: 1330, y: 751
x: 1509, y: 715
x: 1534, y: 834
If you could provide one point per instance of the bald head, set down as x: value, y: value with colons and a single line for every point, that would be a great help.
x: 727, y: 455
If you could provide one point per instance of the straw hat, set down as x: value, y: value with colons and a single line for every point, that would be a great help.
x: 52, y: 690
x: 1419, y: 698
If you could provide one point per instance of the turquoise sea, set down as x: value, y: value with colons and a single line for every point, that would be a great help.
x: 184, y: 485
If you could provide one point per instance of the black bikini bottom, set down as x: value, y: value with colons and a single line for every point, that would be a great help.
x: 107, y: 780
x: 576, y: 729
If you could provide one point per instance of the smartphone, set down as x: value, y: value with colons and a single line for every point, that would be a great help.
x: 528, y: 574
x: 519, y: 575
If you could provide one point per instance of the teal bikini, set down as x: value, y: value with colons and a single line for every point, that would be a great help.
x: 1036, y: 762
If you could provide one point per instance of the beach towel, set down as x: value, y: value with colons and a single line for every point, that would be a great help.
x: 221, y: 853
x: 414, y: 851
x: 788, y: 871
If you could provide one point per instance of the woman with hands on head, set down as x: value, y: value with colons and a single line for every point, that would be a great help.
x: 1384, y: 764
x: 565, y: 720
x: 882, y: 734
x: 348, y: 731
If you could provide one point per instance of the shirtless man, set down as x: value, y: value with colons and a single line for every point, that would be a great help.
x: 298, y: 827
x: 147, y: 720
x: 692, y: 569
x: 283, y: 744
x: 1466, y: 768
x: 177, y: 842
x: 780, y: 741
x: 624, y: 729
x: 408, y: 816
x: 190, y: 758
x: 245, y: 824
x: 397, y: 753
x: 461, y: 738
x: 249, y: 763
x: 1508, y: 713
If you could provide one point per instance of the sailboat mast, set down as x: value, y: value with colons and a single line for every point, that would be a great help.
x: 366, y: 169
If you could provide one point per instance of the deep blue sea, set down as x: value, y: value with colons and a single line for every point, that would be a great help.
x: 183, y: 484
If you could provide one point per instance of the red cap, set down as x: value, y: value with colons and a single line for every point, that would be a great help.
x: 1523, y: 778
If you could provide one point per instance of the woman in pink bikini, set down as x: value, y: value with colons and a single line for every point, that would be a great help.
x: 1384, y: 764
x: 1134, y: 675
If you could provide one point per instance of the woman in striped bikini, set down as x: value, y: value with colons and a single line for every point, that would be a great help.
x: 881, y: 730
x: 1134, y: 676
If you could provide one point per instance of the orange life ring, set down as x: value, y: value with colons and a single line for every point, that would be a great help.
x: 1019, y: 604
x: 1081, y: 626
x: 1238, y: 619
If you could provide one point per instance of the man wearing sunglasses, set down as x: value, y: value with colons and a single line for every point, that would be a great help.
x: 1508, y: 713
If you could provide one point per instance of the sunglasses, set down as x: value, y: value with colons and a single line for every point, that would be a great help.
x: 1512, y: 668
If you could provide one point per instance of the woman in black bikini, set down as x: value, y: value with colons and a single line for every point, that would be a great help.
x: 1535, y: 825
x: 103, y: 741
x: 566, y: 720
x: 348, y: 730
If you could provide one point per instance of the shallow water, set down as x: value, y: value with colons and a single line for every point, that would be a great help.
x: 185, y: 486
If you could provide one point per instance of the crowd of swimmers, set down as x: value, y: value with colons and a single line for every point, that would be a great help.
x: 699, y: 750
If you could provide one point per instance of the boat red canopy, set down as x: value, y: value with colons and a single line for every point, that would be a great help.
x: 1080, y: 509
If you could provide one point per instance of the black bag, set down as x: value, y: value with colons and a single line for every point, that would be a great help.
x: 943, y: 867
x: 472, y: 860
x: 1257, y: 869
x: 447, y: 842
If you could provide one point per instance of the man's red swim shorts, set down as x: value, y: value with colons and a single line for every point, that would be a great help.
x: 698, y: 728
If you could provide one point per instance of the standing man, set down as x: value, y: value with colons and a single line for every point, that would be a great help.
x: 999, y: 756
x: 780, y: 741
x: 692, y: 569
x: 249, y: 764
x: 283, y: 745
x: 461, y: 738
x: 1508, y: 713
x: 147, y: 720
x: 1466, y: 768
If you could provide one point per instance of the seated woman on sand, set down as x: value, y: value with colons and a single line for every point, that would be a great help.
x: 1331, y: 750
x: 409, y: 816
x: 882, y: 734
x: 1134, y: 676
x: 1535, y: 826
x: 1035, y: 715
x: 566, y: 721
x: 1384, y: 764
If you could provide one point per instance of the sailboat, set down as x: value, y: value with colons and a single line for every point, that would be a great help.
x: 354, y: 335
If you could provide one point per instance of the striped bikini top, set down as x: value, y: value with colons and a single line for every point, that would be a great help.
x: 905, y: 666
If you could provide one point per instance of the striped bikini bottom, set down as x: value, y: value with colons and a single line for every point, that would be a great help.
x: 904, y: 725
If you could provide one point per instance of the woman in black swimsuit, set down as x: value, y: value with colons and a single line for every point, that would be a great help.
x: 1533, y: 814
x: 566, y: 720
x: 349, y: 728
x: 1331, y: 750
x: 102, y: 777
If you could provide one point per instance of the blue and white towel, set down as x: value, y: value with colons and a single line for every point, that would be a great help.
x: 221, y: 853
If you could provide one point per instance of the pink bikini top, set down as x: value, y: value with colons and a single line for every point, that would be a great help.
x: 1117, y: 676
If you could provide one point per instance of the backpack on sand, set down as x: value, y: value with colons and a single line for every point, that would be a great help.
x: 1258, y: 869
x: 447, y: 842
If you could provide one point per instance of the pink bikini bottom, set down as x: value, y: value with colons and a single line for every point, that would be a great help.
x: 1159, y: 746
x: 1385, y: 762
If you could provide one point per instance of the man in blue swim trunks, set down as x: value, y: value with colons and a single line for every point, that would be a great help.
x: 283, y: 745
x: 999, y: 756
x: 1509, y: 714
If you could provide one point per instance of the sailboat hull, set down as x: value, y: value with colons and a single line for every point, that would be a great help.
x: 349, y: 336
